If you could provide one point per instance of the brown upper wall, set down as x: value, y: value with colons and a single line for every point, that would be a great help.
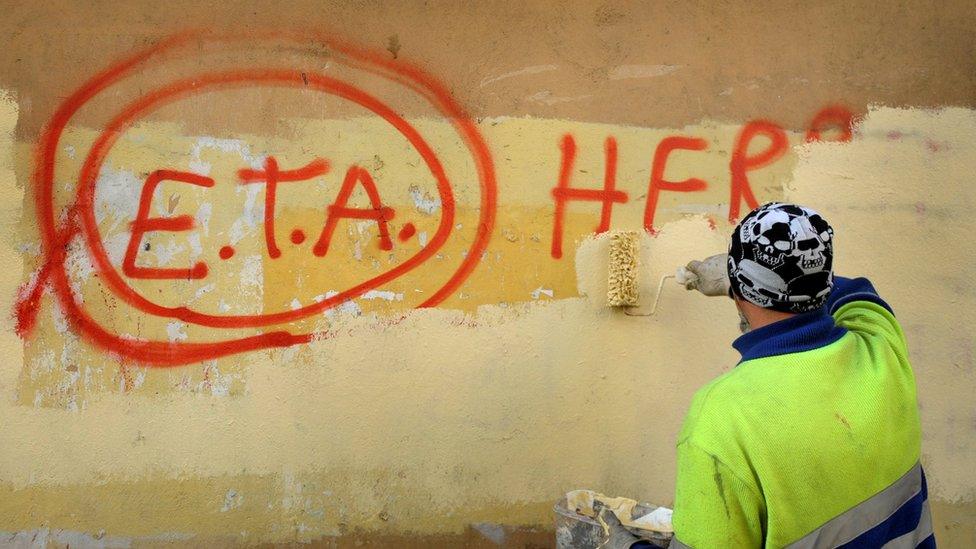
x: 588, y: 60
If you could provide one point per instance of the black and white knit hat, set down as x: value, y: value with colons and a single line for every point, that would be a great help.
x: 781, y: 258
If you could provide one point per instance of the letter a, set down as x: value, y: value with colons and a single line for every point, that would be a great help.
x: 339, y: 209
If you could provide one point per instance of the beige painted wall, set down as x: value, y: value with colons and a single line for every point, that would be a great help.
x: 459, y: 423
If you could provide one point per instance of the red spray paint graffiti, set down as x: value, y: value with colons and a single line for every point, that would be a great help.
x: 340, y: 209
x: 80, y: 219
x: 77, y: 223
x: 658, y: 183
x: 271, y: 176
x: 563, y: 193
x: 144, y: 224
x: 740, y: 164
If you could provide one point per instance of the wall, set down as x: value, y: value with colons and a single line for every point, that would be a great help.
x: 367, y: 306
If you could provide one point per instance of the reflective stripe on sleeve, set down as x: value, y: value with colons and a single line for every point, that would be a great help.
x: 914, y: 538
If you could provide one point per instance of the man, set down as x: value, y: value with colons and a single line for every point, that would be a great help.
x: 813, y: 439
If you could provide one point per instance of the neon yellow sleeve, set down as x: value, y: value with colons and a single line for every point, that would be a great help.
x: 856, y: 305
x: 712, y: 506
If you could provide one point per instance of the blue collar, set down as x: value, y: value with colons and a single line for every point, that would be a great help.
x: 795, y: 334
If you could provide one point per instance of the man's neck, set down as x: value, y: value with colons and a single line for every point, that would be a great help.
x: 759, y: 317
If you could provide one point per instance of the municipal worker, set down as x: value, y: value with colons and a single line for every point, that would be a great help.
x: 813, y: 439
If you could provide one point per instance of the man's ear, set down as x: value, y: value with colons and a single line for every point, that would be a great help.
x: 740, y: 305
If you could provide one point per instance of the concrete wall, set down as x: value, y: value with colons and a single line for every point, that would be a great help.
x: 444, y: 381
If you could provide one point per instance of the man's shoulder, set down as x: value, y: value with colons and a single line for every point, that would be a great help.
x: 740, y: 382
x: 733, y: 399
x: 715, y: 403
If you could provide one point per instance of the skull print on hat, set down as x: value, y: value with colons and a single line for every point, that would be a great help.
x: 781, y: 258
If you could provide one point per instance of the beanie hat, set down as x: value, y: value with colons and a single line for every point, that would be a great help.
x: 781, y: 258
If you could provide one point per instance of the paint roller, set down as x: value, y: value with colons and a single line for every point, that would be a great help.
x: 622, y: 289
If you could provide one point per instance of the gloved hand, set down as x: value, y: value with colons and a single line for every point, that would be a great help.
x: 709, y: 276
x: 617, y: 537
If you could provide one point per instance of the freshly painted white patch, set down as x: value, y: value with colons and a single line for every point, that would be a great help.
x: 621, y: 72
x: 533, y: 69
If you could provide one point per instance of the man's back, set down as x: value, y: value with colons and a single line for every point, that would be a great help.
x: 813, y: 439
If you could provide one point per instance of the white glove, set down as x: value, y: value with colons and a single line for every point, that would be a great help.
x: 710, y: 276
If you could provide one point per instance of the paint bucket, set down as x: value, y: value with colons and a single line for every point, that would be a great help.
x: 576, y: 531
